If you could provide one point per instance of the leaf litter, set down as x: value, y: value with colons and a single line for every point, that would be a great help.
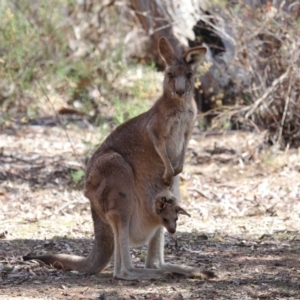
x: 242, y: 195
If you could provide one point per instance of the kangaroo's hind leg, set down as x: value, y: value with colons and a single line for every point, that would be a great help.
x: 121, y: 206
x: 98, y: 258
x: 103, y: 247
x: 119, y: 220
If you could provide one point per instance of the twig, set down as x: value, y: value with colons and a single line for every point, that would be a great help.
x: 27, y: 161
x: 199, y: 192
x: 104, y: 6
x: 61, y: 123
x: 287, y: 102
x: 268, y: 92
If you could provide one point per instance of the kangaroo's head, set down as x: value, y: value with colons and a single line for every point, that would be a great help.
x: 179, y: 76
x: 168, y: 212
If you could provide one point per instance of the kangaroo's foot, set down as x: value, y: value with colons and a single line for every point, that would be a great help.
x: 140, y: 274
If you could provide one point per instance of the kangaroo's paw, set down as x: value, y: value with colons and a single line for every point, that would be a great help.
x: 168, y: 179
x: 189, y: 271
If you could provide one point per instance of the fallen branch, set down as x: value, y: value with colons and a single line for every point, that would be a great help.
x: 268, y: 92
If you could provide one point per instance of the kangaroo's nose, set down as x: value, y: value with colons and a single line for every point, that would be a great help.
x: 180, y: 92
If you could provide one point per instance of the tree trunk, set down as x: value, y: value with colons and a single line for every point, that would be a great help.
x: 177, y: 20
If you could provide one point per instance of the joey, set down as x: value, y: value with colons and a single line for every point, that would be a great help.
x: 168, y: 211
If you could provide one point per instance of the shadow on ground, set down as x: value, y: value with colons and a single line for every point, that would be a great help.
x: 246, y: 269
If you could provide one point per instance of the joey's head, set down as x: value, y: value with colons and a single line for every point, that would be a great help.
x: 179, y: 73
x: 168, y: 212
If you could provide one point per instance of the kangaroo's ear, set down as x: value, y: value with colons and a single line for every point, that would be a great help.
x: 160, y: 205
x: 166, y: 51
x: 194, y: 56
x: 181, y: 211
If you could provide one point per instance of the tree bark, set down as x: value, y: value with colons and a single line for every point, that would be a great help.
x: 156, y: 25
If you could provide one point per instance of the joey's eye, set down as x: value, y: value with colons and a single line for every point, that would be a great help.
x: 170, y: 75
x: 176, y: 219
x: 165, y: 220
x: 189, y: 75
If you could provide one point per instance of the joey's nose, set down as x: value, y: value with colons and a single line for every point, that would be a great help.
x: 172, y: 230
x: 180, y: 92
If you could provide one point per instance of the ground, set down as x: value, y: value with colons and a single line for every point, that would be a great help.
x: 242, y: 196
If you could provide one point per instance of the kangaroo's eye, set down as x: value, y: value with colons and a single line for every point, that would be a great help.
x: 189, y: 75
x: 165, y: 220
x: 170, y: 75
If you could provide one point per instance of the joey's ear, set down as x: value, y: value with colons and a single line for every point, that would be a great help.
x: 160, y: 205
x: 194, y: 56
x: 181, y: 211
x: 166, y: 51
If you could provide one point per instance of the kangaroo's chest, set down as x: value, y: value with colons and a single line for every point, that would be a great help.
x: 179, y: 133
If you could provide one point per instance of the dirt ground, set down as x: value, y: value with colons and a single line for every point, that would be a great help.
x: 242, y: 195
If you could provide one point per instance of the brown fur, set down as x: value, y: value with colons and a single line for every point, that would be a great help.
x: 125, y: 176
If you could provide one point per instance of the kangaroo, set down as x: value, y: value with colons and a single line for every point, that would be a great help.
x: 127, y: 175
x: 167, y: 209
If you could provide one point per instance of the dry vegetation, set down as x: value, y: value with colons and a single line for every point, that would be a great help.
x: 73, y: 60
x: 66, y: 79
x: 254, y: 83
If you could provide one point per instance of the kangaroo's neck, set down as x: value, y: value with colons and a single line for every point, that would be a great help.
x: 177, y: 103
